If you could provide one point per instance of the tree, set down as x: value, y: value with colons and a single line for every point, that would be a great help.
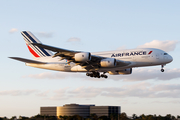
x: 150, y: 117
x: 88, y: 119
x: 114, y: 116
x: 75, y: 117
x: 61, y: 117
x: 173, y: 118
x: 168, y: 117
x: 13, y: 118
x: 5, y: 118
x: 134, y: 116
x: 104, y: 118
x: 93, y: 116
x: 65, y: 117
x: 123, y: 116
x: 143, y: 117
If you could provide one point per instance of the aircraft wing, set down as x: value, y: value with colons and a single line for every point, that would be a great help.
x: 27, y: 60
x: 55, y: 49
x: 94, y: 63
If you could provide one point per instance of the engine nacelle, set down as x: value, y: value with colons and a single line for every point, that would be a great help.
x: 82, y: 57
x: 123, y: 72
x: 109, y: 62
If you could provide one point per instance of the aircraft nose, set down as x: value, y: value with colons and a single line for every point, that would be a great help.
x: 170, y: 58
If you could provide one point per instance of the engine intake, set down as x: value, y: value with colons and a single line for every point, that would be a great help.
x: 109, y: 62
x: 82, y: 57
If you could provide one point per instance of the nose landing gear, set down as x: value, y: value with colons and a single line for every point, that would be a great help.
x: 162, y: 66
x: 96, y: 75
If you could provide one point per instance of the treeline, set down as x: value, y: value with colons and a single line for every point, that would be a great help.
x: 121, y: 116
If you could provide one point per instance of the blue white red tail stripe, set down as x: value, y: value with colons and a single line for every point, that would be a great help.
x: 33, y: 39
x: 28, y: 36
x: 35, y: 51
x: 34, y: 48
x: 32, y: 52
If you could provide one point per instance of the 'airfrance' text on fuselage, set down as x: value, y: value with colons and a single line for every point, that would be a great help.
x: 129, y: 54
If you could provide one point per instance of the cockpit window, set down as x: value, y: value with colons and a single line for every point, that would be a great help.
x: 165, y: 54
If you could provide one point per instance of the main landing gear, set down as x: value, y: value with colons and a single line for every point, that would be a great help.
x: 162, y: 66
x: 96, y: 74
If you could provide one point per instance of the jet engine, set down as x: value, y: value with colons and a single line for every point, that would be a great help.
x: 123, y: 72
x: 82, y: 57
x: 109, y: 62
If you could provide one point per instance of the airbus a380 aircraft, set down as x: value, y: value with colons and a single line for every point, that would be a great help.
x: 112, y: 62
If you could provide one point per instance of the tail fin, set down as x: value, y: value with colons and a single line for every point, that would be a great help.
x: 34, y: 50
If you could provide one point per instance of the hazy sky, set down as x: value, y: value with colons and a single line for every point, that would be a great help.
x: 94, y: 25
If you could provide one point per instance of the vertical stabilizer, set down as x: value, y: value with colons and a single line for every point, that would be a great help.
x: 36, y: 52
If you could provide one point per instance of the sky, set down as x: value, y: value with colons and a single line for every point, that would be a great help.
x: 91, y: 26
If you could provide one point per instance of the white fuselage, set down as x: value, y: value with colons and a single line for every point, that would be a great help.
x: 137, y: 57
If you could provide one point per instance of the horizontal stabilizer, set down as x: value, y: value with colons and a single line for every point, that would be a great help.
x: 26, y: 60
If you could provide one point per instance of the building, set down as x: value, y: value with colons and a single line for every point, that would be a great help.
x: 104, y: 110
x: 81, y: 110
x: 73, y: 109
x: 49, y: 111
